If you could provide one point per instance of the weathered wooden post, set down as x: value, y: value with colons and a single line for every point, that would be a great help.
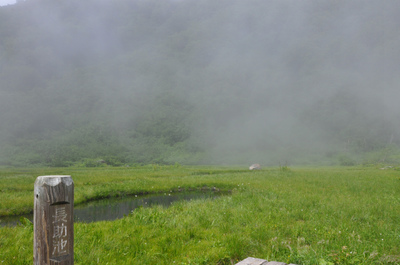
x: 53, y: 218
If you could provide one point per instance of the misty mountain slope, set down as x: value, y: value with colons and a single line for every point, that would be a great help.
x: 199, y: 82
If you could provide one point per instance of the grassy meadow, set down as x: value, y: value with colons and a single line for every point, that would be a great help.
x: 324, y: 216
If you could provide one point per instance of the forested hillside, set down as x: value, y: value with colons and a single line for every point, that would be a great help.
x: 199, y: 82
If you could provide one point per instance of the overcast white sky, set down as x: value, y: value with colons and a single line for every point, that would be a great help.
x: 7, y: 2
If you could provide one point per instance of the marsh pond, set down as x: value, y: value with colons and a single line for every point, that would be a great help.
x: 114, y: 208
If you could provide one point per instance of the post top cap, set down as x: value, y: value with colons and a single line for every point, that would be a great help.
x: 55, y: 176
x: 54, y: 180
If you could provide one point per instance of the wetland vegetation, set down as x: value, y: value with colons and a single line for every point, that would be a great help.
x: 336, y: 215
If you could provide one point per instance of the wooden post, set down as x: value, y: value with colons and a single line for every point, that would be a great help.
x: 53, y: 220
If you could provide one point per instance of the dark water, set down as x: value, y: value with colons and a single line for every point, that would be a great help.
x: 115, y: 208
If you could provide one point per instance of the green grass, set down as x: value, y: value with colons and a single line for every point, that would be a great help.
x: 16, y: 185
x: 303, y: 216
